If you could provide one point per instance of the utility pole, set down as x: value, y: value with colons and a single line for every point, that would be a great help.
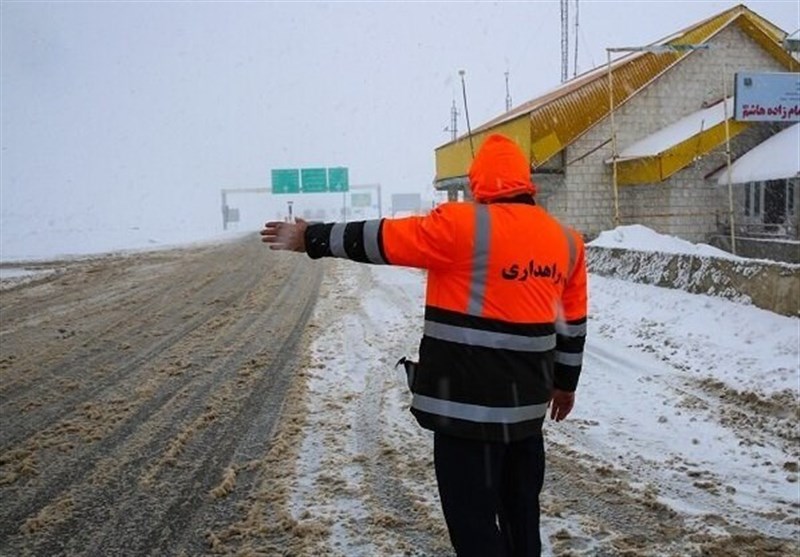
x: 466, y: 112
x: 575, y: 68
x: 508, y: 94
x: 564, y: 39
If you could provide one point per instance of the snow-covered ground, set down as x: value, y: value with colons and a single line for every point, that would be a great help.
x: 26, y: 257
x: 659, y: 365
x: 78, y: 241
x: 691, y: 399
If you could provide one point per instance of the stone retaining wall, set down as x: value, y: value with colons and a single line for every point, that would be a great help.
x: 765, y: 284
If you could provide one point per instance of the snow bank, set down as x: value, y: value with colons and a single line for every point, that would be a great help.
x: 638, y: 254
x: 638, y: 237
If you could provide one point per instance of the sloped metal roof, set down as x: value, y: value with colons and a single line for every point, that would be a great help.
x: 546, y: 125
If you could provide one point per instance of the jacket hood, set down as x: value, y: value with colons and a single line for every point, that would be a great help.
x: 500, y: 169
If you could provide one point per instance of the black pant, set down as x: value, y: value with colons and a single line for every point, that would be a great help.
x: 490, y: 494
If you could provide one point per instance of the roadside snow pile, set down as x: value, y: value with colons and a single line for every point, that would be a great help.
x: 641, y: 238
x: 17, y: 276
x: 639, y: 254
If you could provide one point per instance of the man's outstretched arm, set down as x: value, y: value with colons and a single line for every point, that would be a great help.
x: 415, y: 241
x: 288, y: 236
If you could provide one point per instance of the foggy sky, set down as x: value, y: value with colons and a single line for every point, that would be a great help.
x: 138, y: 113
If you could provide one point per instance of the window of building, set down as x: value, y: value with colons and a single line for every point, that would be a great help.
x: 748, y: 193
x: 752, y: 199
x: 756, y: 199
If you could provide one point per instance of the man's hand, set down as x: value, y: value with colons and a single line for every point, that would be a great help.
x: 561, y: 404
x: 288, y: 236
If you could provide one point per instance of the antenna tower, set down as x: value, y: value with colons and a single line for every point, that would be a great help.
x: 453, y: 121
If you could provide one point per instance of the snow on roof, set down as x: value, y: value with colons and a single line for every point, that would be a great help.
x: 681, y: 130
x: 776, y: 158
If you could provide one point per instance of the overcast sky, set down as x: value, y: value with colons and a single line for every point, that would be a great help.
x: 138, y: 113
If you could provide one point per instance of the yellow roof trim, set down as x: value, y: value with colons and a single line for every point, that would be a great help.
x: 769, y: 42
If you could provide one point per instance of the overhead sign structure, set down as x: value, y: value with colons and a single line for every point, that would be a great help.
x: 231, y: 214
x: 767, y: 97
x: 310, y: 180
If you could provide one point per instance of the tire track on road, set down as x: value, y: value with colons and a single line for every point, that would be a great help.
x: 122, y: 496
x: 22, y: 426
x: 217, y: 447
x: 390, y: 499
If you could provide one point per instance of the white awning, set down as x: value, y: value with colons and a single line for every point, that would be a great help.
x: 776, y: 158
x: 678, y: 132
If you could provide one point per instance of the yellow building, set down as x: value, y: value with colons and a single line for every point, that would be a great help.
x: 671, y: 104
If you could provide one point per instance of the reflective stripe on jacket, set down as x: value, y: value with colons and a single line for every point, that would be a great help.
x: 505, y: 309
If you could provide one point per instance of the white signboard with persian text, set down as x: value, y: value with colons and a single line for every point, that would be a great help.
x: 767, y: 97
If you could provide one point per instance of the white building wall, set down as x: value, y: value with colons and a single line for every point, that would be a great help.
x: 685, y: 205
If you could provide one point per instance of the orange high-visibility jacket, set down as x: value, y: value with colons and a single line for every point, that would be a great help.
x: 505, y: 307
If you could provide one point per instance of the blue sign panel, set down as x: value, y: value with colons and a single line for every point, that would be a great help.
x: 767, y: 97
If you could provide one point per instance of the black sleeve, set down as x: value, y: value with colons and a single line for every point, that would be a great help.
x: 360, y: 241
x: 317, y: 239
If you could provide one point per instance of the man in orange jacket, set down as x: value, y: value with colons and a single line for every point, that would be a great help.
x: 505, y: 326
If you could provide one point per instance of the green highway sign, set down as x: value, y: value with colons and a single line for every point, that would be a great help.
x: 338, y: 179
x: 314, y: 180
x: 285, y: 180
x: 310, y: 180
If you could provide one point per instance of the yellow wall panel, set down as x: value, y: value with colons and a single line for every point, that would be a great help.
x: 454, y: 159
x: 545, y: 147
x: 646, y: 170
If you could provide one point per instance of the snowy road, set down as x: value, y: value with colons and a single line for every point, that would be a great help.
x: 143, y: 385
x: 139, y: 395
